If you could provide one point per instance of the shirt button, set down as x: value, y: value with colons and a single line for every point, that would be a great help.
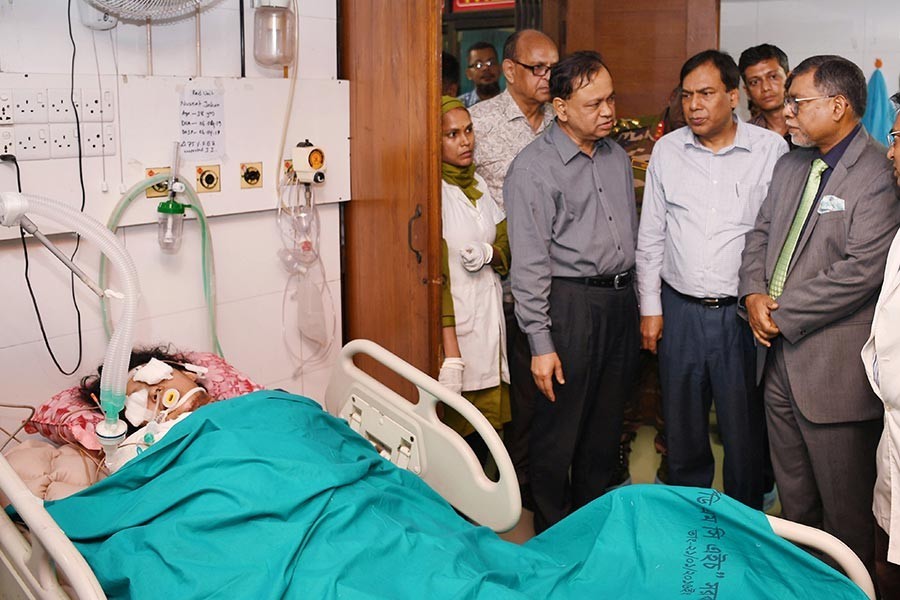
x: 618, y: 247
x: 599, y: 189
x: 610, y: 218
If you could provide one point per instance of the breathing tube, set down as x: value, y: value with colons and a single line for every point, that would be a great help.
x: 118, y: 352
x: 207, y: 260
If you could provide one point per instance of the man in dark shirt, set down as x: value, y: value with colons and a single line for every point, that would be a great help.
x: 764, y: 69
x: 573, y: 227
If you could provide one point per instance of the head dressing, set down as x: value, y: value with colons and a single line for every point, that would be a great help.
x: 153, y: 372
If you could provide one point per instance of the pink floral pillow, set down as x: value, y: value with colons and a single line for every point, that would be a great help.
x: 66, y: 418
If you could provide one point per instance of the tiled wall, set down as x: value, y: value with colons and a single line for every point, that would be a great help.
x: 250, y: 279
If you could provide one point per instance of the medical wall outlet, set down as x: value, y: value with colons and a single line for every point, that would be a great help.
x: 32, y: 142
x: 208, y: 179
x: 161, y: 189
x: 60, y: 105
x: 29, y: 106
x: 7, y: 140
x: 251, y: 175
x: 97, y: 106
x: 6, y: 107
x: 63, y: 140
x: 98, y: 139
x: 309, y: 163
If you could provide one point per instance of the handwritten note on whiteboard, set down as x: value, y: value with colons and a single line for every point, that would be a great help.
x: 202, y: 123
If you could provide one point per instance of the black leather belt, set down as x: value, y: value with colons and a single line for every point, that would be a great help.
x: 706, y: 302
x: 619, y: 281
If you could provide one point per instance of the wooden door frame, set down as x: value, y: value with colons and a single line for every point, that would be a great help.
x: 391, y: 50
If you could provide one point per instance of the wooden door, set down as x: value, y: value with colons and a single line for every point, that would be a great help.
x: 390, y: 52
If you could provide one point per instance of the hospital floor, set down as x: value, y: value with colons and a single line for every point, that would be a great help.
x: 643, y: 464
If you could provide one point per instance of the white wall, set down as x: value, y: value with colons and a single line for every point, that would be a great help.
x: 34, y: 39
x: 860, y: 31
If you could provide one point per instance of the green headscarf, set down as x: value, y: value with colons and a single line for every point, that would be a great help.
x: 462, y: 177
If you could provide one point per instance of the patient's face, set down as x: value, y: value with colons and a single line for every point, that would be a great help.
x: 182, y: 381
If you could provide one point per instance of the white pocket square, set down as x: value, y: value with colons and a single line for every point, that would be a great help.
x: 829, y: 204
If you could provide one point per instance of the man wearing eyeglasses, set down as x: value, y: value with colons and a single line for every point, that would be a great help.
x: 764, y: 69
x: 809, y: 278
x: 879, y: 357
x: 572, y: 228
x: 484, y: 72
x: 504, y: 125
x: 705, y: 184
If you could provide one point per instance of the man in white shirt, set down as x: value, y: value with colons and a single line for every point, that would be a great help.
x: 704, y: 186
x: 883, y: 348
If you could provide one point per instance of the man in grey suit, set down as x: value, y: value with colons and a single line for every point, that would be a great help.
x: 809, y: 279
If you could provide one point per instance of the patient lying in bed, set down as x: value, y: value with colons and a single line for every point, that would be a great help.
x: 266, y: 495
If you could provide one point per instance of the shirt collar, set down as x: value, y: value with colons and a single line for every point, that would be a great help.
x: 741, y: 138
x: 567, y: 147
x: 833, y: 156
x: 512, y: 111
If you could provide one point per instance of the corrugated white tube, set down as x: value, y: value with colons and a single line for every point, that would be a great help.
x: 118, y: 351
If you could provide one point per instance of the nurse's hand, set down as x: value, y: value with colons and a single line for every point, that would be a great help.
x: 543, y: 368
x: 475, y: 255
x: 451, y: 374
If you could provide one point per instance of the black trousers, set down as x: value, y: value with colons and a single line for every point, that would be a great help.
x: 575, y: 440
x: 705, y: 354
x: 522, y: 391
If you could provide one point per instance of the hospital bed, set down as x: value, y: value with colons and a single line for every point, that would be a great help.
x: 408, y: 435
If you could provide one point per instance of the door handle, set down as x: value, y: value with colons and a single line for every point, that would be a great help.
x: 409, y: 232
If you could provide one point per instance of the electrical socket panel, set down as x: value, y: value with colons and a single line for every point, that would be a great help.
x: 97, y: 106
x: 29, y: 106
x: 6, y: 107
x: 32, y: 142
x: 98, y: 139
x: 59, y: 102
x: 7, y: 140
x: 63, y: 140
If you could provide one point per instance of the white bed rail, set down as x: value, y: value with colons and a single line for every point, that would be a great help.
x: 27, y: 562
x: 412, y: 435
x: 828, y: 544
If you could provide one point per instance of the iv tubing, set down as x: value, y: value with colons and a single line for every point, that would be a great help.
x: 207, y: 259
x: 118, y: 351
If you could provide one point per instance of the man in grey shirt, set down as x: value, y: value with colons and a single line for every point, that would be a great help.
x: 572, y: 228
x: 705, y: 185
x: 504, y: 125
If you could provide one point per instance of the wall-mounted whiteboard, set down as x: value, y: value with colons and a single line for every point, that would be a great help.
x: 147, y: 121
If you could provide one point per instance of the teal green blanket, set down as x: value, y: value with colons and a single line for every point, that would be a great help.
x: 267, y: 496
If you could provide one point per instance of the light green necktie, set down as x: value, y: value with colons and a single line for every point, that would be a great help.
x: 776, y: 286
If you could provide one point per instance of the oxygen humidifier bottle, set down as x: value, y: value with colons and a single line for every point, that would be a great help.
x: 171, y: 225
x: 273, y: 33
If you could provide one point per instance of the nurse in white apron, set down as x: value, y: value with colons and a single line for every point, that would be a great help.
x: 476, y: 255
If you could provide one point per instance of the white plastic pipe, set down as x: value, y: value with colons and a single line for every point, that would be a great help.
x: 118, y: 351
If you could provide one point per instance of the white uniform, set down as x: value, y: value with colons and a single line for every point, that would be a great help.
x: 881, y: 356
x: 477, y: 300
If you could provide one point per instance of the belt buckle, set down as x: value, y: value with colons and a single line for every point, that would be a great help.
x: 712, y: 303
x: 616, y: 281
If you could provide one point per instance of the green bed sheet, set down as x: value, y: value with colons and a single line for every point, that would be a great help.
x: 268, y: 496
